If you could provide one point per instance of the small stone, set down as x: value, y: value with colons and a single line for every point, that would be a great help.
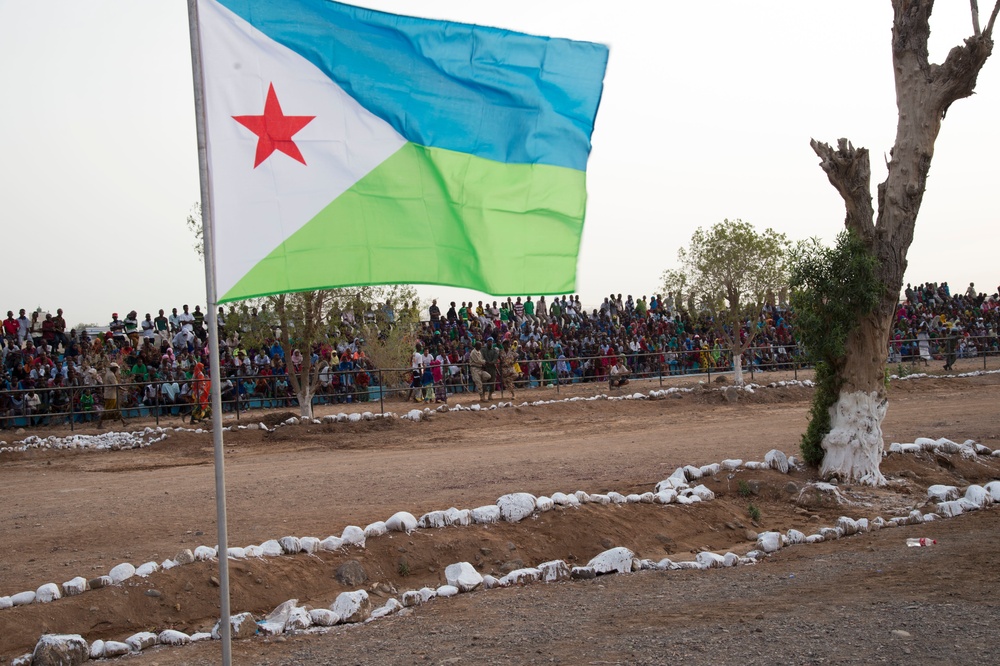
x: 156, y: 594
x: 214, y: 581
x: 188, y: 586
x: 899, y: 633
x: 184, y: 557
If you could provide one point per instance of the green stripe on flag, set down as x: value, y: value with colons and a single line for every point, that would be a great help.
x: 434, y: 216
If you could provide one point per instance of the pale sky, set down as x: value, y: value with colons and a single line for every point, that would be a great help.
x: 707, y: 113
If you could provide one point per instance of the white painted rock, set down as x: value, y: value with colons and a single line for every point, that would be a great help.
x: 298, y: 619
x: 489, y: 582
x: 633, y: 498
x: 730, y: 560
x: 173, y: 637
x: 544, y: 503
x: 941, y: 493
x: 646, y: 498
x: 978, y: 496
x: 731, y: 464
x: 463, y: 576
x: 554, y: 571
x: 616, y: 559
x: 47, y: 593
x: 710, y: 470
x: 710, y: 560
x: 22, y: 598
x: 23, y: 660
x: 144, y: 570
x: 274, y: 622
x: 60, y: 649
x: 5, y: 603
x: 271, y: 548
x: 401, y: 522
x: 692, y: 472
x: 485, y: 515
x: 581, y: 497
x: 199, y: 636
x: 391, y: 606
x: 116, y: 649
x: 793, y: 537
x: 412, y: 598
x: 309, y: 544
x: 290, y: 545
x: 775, y: 459
x: 703, y: 493
x: 516, y: 506
x: 617, y: 498
x: 993, y: 488
x: 121, y: 572
x: 769, y: 542
x: 756, y: 464
x: 323, y: 617
x: 848, y: 526
x: 667, y: 496
x: 205, y: 553
x: 352, y: 606
x: 96, y: 650
x: 141, y: 640
x: 240, y: 626
x: 521, y: 577
x: 376, y: 529
x: 562, y: 499
x: 353, y: 536
x: 427, y: 593
x: 459, y: 516
x: 434, y: 519
x: 446, y: 591
x: 600, y: 498
x: 331, y: 543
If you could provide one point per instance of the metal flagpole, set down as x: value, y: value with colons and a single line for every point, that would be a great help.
x: 208, y: 237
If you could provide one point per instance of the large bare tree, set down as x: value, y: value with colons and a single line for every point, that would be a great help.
x: 924, y: 92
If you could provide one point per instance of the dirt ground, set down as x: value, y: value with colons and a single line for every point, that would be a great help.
x: 79, y: 513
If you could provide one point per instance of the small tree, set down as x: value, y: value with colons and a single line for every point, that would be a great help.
x: 729, y: 270
x: 924, y: 92
x: 831, y: 289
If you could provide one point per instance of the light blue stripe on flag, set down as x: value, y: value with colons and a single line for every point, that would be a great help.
x: 497, y: 94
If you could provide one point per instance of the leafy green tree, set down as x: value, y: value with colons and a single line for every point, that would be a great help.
x: 728, y: 271
x: 832, y: 289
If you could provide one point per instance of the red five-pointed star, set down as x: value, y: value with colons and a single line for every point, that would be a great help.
x: 274, y: 129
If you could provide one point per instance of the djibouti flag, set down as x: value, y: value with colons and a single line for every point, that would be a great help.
x: 353, y: 147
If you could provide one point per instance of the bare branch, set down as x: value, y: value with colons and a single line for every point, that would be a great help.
x: 993, y: 19
x: 975, y: 17
x: 849, y: 171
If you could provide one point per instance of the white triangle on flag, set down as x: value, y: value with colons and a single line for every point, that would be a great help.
x: 256, y: 209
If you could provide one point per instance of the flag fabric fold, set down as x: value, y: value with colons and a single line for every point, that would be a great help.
x: 348, y: 147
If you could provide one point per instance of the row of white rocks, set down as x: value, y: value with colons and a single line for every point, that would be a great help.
x: 517, y: 506
x: 107, y: 441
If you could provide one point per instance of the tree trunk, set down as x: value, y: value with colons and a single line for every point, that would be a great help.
x: 924, y: 91
x: 305, y: 396
x: 737, y: 366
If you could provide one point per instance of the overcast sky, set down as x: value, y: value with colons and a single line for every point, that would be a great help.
x: 707, y: 113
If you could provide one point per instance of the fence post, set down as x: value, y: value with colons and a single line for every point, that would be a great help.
x: 239, y: 385
x: 156, y: 403
x: 72, y: 401
x: 381, y: 391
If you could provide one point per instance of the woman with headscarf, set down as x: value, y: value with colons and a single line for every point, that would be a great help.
x: 200, y: 394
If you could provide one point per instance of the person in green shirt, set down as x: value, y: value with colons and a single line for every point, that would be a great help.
x: 555, y: 310
x: 529, y: 310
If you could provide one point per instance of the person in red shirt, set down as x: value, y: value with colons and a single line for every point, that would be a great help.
x: 10, y: 327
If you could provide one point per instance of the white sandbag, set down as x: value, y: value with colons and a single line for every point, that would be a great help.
x: 515, y: 507
x: 121, y: 573
x: 463, y: 576
x: 486, y: 515
x: 615, y: 559
x: 353, y: 536
x: 401, y: 521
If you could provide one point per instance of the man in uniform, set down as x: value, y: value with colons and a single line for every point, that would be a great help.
x: 491, y: 357
x: 477, y: 363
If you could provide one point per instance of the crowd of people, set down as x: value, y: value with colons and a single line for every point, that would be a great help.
x: 160, y: 362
